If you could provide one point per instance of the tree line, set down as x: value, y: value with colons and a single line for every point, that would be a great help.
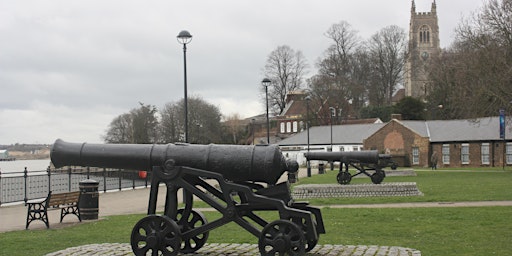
x: 146, y: 124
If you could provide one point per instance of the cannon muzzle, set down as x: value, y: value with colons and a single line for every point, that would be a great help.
x: 368, y: 156
x: 235, y: 162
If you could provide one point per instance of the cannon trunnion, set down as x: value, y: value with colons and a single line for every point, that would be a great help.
x: 237, y: 181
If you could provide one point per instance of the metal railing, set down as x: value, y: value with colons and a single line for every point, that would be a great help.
x: 25, y: 185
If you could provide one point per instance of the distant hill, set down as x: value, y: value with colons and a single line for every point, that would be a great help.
x: 28, y: 151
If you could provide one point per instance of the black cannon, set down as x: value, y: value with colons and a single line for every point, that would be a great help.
x: 238, y: 181
x: 363, y: 161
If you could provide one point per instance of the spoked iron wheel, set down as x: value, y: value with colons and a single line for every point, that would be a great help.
x: 344, y: 178
x: 194, y: 220
x: 301, y: 223
x: 156, y: 235
x: 281, y: 237
x: 378, y: 176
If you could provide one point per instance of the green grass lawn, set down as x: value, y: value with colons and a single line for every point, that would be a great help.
x: 433, y: 231
x: 437, y: 186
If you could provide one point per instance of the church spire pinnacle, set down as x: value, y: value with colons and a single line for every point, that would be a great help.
x: 413, y: 7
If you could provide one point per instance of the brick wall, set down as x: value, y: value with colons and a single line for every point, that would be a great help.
x: 496, y: 157
x: 397, y: 140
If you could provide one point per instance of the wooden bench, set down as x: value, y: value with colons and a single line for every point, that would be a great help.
x: 66, y: 202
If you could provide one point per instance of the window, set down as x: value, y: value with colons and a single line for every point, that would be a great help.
x: 509, y: 153
x: 288, y: 127
x: 282, y: 127
x: 415, y: 155
x: 424, y: 34
x: 446, y: 153
x: 464, y: 153
x: 485, y: 153
x: 342, y: 148
x: 355, y: 148
x: 295, y: 126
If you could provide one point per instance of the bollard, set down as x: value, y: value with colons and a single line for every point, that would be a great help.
x: 321, y: 168
x: 293, y: 177
x: 89, y: 196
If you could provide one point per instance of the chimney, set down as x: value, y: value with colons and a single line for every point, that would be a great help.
x: 396, y: 116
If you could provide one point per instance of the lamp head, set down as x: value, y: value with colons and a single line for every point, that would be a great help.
x: 184, y: 37
x: 265, y: 82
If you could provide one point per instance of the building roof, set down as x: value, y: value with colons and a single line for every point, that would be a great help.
x: 481, y: 129
x: 341, y: 134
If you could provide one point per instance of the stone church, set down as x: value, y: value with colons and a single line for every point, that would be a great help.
x: 423, y: 48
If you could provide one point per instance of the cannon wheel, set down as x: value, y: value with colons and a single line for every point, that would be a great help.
x: 378, y: 176
x: 301, y: 222
x: 344, y: 178
x: 194, y: 220
x: 157, y: 233
x: 282, y: 237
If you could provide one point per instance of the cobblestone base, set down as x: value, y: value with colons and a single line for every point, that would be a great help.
x: 244, y: 250
x: 359, y: 190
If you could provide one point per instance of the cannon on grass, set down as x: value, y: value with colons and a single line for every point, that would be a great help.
x: 362, y: 161
x: 240, y: 182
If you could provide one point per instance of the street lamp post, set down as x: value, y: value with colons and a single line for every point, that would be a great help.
x: 184, y: 37
x: 308, y: 165
x: 266, y: 82
x: 332, y: 110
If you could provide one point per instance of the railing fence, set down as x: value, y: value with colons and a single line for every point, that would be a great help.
x: 25, y: 185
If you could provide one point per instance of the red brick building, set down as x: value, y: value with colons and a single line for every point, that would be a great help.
x: 456, y: 142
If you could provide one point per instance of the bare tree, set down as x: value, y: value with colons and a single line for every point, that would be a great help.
x: 235, y: 129
x: 338, y: 82
x: 388, y: 50
x: 285, y: 67
x: 138, y: 126
x: 204, y: 122
x: 120, y: 130
x: 474, y: 76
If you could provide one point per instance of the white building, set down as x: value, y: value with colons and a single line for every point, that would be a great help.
x: 344, y: 138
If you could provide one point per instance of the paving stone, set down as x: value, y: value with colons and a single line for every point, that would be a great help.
x: 121, y: 249
x: 358, y: 190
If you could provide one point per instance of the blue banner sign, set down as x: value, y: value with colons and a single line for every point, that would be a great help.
x: 502, y: 124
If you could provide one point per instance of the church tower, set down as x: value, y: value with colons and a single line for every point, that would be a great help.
x: 423, y: 46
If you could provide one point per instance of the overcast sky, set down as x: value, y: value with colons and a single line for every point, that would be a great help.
x: 67, y: 68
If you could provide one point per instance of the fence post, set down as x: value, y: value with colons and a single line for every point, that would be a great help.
x: 105, y: 180
x: 133, y: 181
x: 69, y: 179
x: 120, y: 178
x: 25, y: 176
x: 49, y: 179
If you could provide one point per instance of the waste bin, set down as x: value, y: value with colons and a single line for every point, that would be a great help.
x: 89, y: 203
x: 293, y: 177
x: 321, y: 168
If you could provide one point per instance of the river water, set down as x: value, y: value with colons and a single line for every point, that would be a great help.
x: 9, y: 167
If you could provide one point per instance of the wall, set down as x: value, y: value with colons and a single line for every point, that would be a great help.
x: 397, y: 140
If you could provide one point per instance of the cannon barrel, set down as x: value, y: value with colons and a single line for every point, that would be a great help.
x: 235, y: 162
x: 368, y: 156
